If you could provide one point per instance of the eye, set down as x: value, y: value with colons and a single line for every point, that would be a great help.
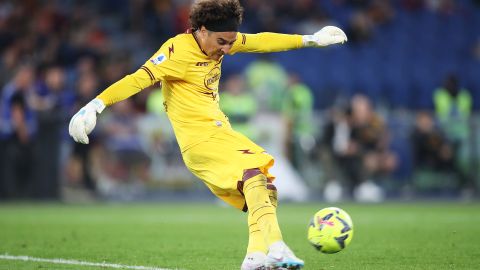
x: 221, y: 42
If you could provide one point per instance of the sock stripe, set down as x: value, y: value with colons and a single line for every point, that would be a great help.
x: 264, y: 215
x: 252, y: 182
x: 259, y: 186
x: 253, y: 213
x: 271, y: 187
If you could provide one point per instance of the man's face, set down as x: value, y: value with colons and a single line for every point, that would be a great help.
x: 217, y: 44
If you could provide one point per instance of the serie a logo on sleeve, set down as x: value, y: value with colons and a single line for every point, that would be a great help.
x: 158, y: 59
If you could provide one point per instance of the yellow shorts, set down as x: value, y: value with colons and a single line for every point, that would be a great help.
x: 221, y: 160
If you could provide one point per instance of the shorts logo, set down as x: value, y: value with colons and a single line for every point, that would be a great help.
x: 246, y: 151
x: 158, y: 59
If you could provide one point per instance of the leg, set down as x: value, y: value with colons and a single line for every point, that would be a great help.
x: 256, y: 240
x: 221, y: 171
x: 258, y: 205
x: 260, y: 209
x: 261, y: 199
x: 256, y: 250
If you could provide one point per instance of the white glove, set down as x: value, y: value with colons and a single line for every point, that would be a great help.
x: 83, y: 122
x: 328, y: 35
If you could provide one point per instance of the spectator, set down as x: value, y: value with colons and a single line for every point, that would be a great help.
x: 361, y: 27
x: 126, y: 160
x: 268, y: 81
x: 340, y: 158
x: 79, y: 170
x: 431, y: 150
x: 23, y: 85
x: 298, y: 110
x: 51, y: 103
x: 17, y: 134
x: 453, y: 107
x: 371, y: 136
x: 358, y: 141
x: 381, y: 12
x: 17, y: 175
x: 239, y: 105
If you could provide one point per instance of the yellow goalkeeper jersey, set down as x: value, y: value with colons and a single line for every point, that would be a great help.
x: 190, y: 82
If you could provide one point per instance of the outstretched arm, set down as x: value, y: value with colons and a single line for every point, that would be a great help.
x: 266, y: 42
x: 273, y: 42
x: 158, y: 68
x: 126, y: 87
x: 83, y: 122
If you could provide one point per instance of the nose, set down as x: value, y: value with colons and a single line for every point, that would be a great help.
x: 225, y: 49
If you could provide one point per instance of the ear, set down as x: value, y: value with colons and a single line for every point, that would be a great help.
x: 203, y: 31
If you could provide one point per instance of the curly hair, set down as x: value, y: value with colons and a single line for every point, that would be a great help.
x: 204, y: 12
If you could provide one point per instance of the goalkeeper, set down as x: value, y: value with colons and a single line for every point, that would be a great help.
x: 233, y: 167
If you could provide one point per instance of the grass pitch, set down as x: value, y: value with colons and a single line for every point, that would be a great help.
x: 207, y: 236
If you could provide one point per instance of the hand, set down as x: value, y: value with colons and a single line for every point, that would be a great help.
x: 328, y: 35
x: 83, y: 122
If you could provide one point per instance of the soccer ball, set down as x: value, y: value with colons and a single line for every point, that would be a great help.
x: 330, y: 230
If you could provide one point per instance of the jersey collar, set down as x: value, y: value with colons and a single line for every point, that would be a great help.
x: 196, y: 40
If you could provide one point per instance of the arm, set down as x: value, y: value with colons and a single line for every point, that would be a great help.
x: 158, y: 68
x: 83, y: 122
x: 266, y: 42
x: 126, y: 87
x: 273, y: 42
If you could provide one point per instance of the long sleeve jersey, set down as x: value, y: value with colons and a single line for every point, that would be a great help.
x: 190, y: 82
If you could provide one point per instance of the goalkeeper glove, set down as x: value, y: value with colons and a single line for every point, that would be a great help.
x: 83, y: 122
x: 328, y: 35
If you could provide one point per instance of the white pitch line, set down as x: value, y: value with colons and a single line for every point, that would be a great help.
x: 76, y: 262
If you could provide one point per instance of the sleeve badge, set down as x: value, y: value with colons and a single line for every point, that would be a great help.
x: 158, y: 59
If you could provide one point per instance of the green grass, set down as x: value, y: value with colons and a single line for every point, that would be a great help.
x: 206, y: 236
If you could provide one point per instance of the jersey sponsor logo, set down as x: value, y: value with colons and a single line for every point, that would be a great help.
x: 212, y: 78
x: 158, y: 59
x: 246, y: 151
x: 202, y: 64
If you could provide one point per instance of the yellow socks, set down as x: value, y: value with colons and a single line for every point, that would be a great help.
x: 256, y: 241
x: 262, y: 216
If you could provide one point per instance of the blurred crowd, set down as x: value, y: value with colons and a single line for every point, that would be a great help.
x: 57, y: 55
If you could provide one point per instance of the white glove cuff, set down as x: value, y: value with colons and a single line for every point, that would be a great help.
x: 309, y: 41
x: 96, y: 105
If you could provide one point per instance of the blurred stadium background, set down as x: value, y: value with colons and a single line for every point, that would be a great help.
x: 393, y: 114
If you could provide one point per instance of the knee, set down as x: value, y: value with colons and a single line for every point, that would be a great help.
x: 272, y: 194
x: 253, y: 178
